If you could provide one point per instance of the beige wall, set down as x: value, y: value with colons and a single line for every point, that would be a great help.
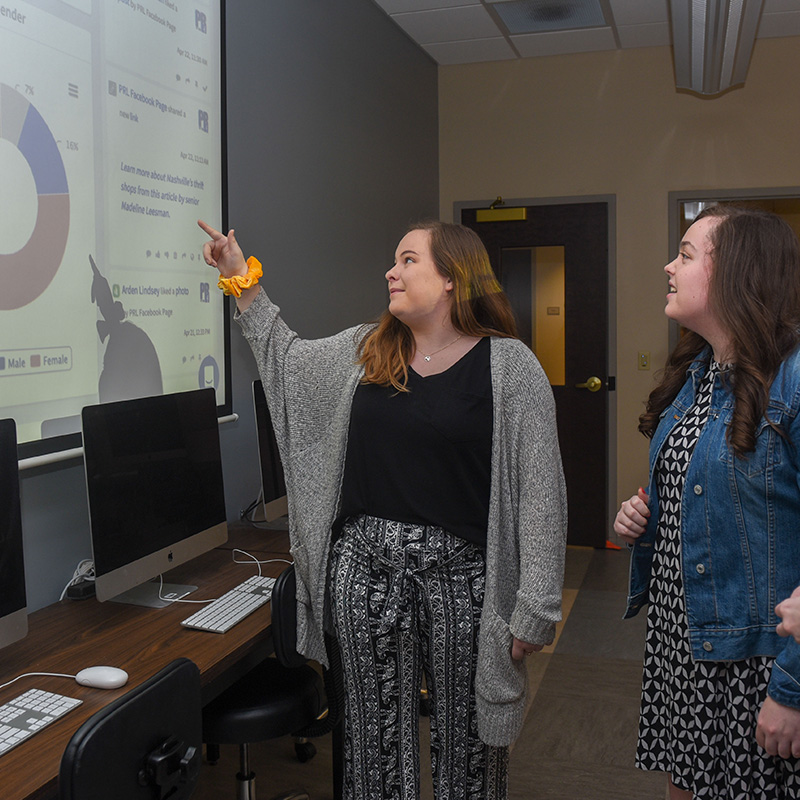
x: 613, y: 123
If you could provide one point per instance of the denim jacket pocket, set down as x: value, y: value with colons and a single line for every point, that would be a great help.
x: 768, y: 452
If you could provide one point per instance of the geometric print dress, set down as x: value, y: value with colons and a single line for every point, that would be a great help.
x: 698, y: 718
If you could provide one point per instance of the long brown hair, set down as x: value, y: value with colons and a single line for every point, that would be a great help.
x: 479, y: 307
x: 754, y: 292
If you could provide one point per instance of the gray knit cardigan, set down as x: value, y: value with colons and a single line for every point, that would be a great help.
x: 309, y: 386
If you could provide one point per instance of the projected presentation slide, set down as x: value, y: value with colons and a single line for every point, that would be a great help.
x: 110, y: 150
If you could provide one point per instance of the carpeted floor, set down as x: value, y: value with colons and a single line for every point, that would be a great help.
x: 580, y: 733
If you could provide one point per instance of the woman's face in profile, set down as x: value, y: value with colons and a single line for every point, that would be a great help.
x: 689, y: 275
x: 418, y: 292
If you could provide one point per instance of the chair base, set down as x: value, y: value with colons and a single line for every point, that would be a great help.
x: 304, y: 750
x: 246, y: 789
x: 246, y: 786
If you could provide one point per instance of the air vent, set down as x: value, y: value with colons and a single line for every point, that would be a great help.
x: 539, y: 16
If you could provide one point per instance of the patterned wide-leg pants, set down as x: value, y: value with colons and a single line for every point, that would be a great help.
x: 407, y: 598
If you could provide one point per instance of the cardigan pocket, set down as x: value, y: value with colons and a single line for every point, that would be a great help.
x: 300, y: 558
x: 499, y: 679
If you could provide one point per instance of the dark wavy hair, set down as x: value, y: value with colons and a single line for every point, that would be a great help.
x: 479, y: 306
x: 754, y: 292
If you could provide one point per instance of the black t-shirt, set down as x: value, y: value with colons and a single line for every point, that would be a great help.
x: 424, y: 456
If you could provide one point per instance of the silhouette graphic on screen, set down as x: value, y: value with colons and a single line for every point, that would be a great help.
x: 130, y: 364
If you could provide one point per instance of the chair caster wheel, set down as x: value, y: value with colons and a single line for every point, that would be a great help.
x: 305, y: 751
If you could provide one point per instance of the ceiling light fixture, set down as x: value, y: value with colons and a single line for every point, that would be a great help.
x: 712, y: 42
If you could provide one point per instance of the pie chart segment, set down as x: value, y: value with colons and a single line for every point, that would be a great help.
x: 27, y: 273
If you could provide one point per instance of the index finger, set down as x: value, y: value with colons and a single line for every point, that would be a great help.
x: 212, y: 232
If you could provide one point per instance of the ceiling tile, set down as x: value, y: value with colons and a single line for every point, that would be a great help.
x: 497, y: 49
x: 771, y: 6
x: 785, y: 23
x: 448, y: 24
x: 639, y: 12
x: 558, y: 42
x: 401, y: 6
x: 653, y: 35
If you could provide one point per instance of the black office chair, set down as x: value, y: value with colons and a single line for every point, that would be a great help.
x: 281, y: 696
x: 146, y: 745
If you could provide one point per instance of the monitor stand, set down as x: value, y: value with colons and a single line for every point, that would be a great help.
x: 147, y: 594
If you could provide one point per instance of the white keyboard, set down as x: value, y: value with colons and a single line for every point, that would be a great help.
x: 27, y: 714
x: 222, y: 614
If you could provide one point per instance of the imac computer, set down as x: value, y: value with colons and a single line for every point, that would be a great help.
x: 154, y: 484
x: 13, y: 603
x: 272, y: 483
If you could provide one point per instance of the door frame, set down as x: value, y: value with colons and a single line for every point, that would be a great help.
x: 611, y: 345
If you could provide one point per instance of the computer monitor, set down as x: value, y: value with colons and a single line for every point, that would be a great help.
x: 272, y: 483
x: 154, y: 483
x: 13, y: 602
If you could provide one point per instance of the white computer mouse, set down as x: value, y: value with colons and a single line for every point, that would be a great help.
x: 102, y: 677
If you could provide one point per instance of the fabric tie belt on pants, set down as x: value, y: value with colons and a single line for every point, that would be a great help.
x: 418, y: 549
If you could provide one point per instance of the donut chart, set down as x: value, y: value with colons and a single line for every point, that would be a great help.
x: 26, y: 274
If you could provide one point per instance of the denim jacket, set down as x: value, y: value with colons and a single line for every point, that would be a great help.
x: 740, y: 529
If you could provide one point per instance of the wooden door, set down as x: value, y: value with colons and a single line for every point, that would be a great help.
x: 579, y: 232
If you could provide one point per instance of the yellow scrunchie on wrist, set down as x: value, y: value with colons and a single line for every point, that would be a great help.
x: 235, y: 284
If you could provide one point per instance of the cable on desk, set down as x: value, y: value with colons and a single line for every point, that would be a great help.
x: 248, y: 512
x: 83, y: 572
x: 233, y: 557
x: 36, y: 674
x: 267, y: 561
x: 176, y: 599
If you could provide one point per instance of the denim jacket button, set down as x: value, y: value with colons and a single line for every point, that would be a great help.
x: 698, y: 489
x: 700, y: 569
x: 708, y: 647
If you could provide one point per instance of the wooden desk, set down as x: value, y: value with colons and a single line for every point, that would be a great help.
x: 71, y: 635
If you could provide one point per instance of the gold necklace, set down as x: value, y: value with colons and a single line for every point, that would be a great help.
x: 430, y: 355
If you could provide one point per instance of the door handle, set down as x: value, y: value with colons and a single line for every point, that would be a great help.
x: 593, y: 384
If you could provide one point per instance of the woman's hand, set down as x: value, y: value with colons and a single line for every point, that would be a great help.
x: 789, y: 612
x: 778, y: 730
x: 223, y: 252
x: 520, y: 649
x: 631, y: 520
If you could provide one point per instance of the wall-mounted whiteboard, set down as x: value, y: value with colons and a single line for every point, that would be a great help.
x: 111, y: 147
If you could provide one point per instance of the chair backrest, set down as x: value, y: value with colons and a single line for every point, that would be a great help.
x: 284, y: 634
x: 146, y: 745
x: 284, y: 619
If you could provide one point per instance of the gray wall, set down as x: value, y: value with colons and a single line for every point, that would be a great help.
x: 332, y: 152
